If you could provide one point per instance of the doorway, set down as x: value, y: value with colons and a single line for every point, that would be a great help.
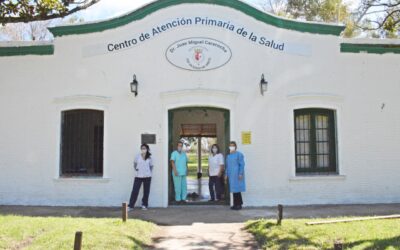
x: 198, y: 128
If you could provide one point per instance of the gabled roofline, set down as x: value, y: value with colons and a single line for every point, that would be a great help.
x: 310, y: 27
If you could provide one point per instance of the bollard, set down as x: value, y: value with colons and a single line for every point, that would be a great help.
x: 124, y: 211
x: 78, y: 241
x: 338, y: 246
x: 280, y: 214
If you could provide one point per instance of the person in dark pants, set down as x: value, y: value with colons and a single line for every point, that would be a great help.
x: 235, y: 175
x: 215, y: 170
x: 143, y: 165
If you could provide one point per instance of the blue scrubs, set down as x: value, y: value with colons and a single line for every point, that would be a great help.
x: 180, y: 184
x: 235, y: 167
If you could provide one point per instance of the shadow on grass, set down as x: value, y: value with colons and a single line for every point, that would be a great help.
x: 260, y: 231
x: 268, y: 233
x: 138, y: 243
x: 265, y: 225
x: 376, y: 243
x: 193, y: 213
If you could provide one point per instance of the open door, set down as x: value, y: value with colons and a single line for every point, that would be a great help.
x: 198, y: 128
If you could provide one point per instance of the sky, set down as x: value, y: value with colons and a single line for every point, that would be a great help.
x: 110, y: 8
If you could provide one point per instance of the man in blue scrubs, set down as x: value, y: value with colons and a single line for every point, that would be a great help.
x: 179, y: 162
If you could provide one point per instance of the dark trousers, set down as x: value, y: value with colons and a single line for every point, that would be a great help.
x: 237, y: 199
x: 135, y: 191
x: 215, y: 181
x: 223, y: 190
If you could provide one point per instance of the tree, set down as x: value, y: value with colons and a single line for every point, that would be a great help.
x: 33, y: 31
x: 319, y: 10
x: 14, y: 11
x: 277, y: 7
x: 381, y: 16
x: 375, y: 18
x: 303, y: 9
x: 329, y: 11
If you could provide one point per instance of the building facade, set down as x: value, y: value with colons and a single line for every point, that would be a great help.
x: 317, y: 116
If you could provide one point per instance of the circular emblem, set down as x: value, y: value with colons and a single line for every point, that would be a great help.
x: 198, y: 54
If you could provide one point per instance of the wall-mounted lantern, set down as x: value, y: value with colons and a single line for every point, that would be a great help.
x: 263, y: 85
x: 134, y: 85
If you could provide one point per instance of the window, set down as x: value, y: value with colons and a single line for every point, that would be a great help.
x: 315, y: 141
x: 82, y: 142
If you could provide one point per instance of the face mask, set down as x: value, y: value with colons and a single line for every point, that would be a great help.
x: 144, y: 151
x: 179, y: 149
x: 214, y: 150
x: 232, y: 148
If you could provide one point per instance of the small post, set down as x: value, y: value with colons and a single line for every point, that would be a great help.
x: 78, y: 241
x: 338, y: 245
x: 124, y: 211
x: 280, y: 214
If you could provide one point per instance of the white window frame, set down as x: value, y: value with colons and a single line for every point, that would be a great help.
x: 82, y: 102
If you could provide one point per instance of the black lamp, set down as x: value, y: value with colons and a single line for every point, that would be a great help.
x: 134, y: 85
x: 263, y: 85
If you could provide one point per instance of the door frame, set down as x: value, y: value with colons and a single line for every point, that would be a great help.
x: 171, y: 144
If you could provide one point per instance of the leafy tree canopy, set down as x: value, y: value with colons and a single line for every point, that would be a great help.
x: 14, y: 11
x: 380, y: 15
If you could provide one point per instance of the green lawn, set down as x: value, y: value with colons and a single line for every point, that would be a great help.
x: 192, y: 165
x: 193, y: 170
x: 294, y: 234
x: 17, y: 232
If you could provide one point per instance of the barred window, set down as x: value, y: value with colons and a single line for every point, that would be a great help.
x: 82, y: 142
x: 315, y: 141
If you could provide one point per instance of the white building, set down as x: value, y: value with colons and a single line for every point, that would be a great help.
x: 326, y: 130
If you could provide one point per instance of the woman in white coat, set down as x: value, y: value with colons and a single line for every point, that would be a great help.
x: 143, y: 165
x: 215, y: 171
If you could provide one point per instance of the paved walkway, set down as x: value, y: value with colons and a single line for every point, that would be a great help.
x: 206, y: 227
x: 186, y: 215
x: 204, y: 236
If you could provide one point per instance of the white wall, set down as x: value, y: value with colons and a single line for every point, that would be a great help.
x: 34, y: 90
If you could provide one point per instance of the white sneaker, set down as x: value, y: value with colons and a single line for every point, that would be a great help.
x: 144, y: 208
x: 130, y: 209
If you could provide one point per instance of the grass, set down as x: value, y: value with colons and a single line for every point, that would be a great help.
x: 192, y: 165
x: 193, y: 170
x: 193, y: 159
x: 17, y: 232
x: 294, y: 234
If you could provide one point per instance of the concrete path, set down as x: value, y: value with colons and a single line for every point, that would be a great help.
x: 204, y: 236
x: 206, y: 226
x: 206, y: 214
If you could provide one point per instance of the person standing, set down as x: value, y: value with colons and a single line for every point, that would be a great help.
x: 179, y: 165
x: 235, y: 175
x: 143, y: 165
x: 215, y: 170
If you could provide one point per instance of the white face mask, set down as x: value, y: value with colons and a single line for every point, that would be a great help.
x: 214, y: 150
x: 144, y: 151
x: 179, y: 149
x: 232, y: 148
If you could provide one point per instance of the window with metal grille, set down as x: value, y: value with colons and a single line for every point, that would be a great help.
x: 82, y: 142
x: 315, y: 141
